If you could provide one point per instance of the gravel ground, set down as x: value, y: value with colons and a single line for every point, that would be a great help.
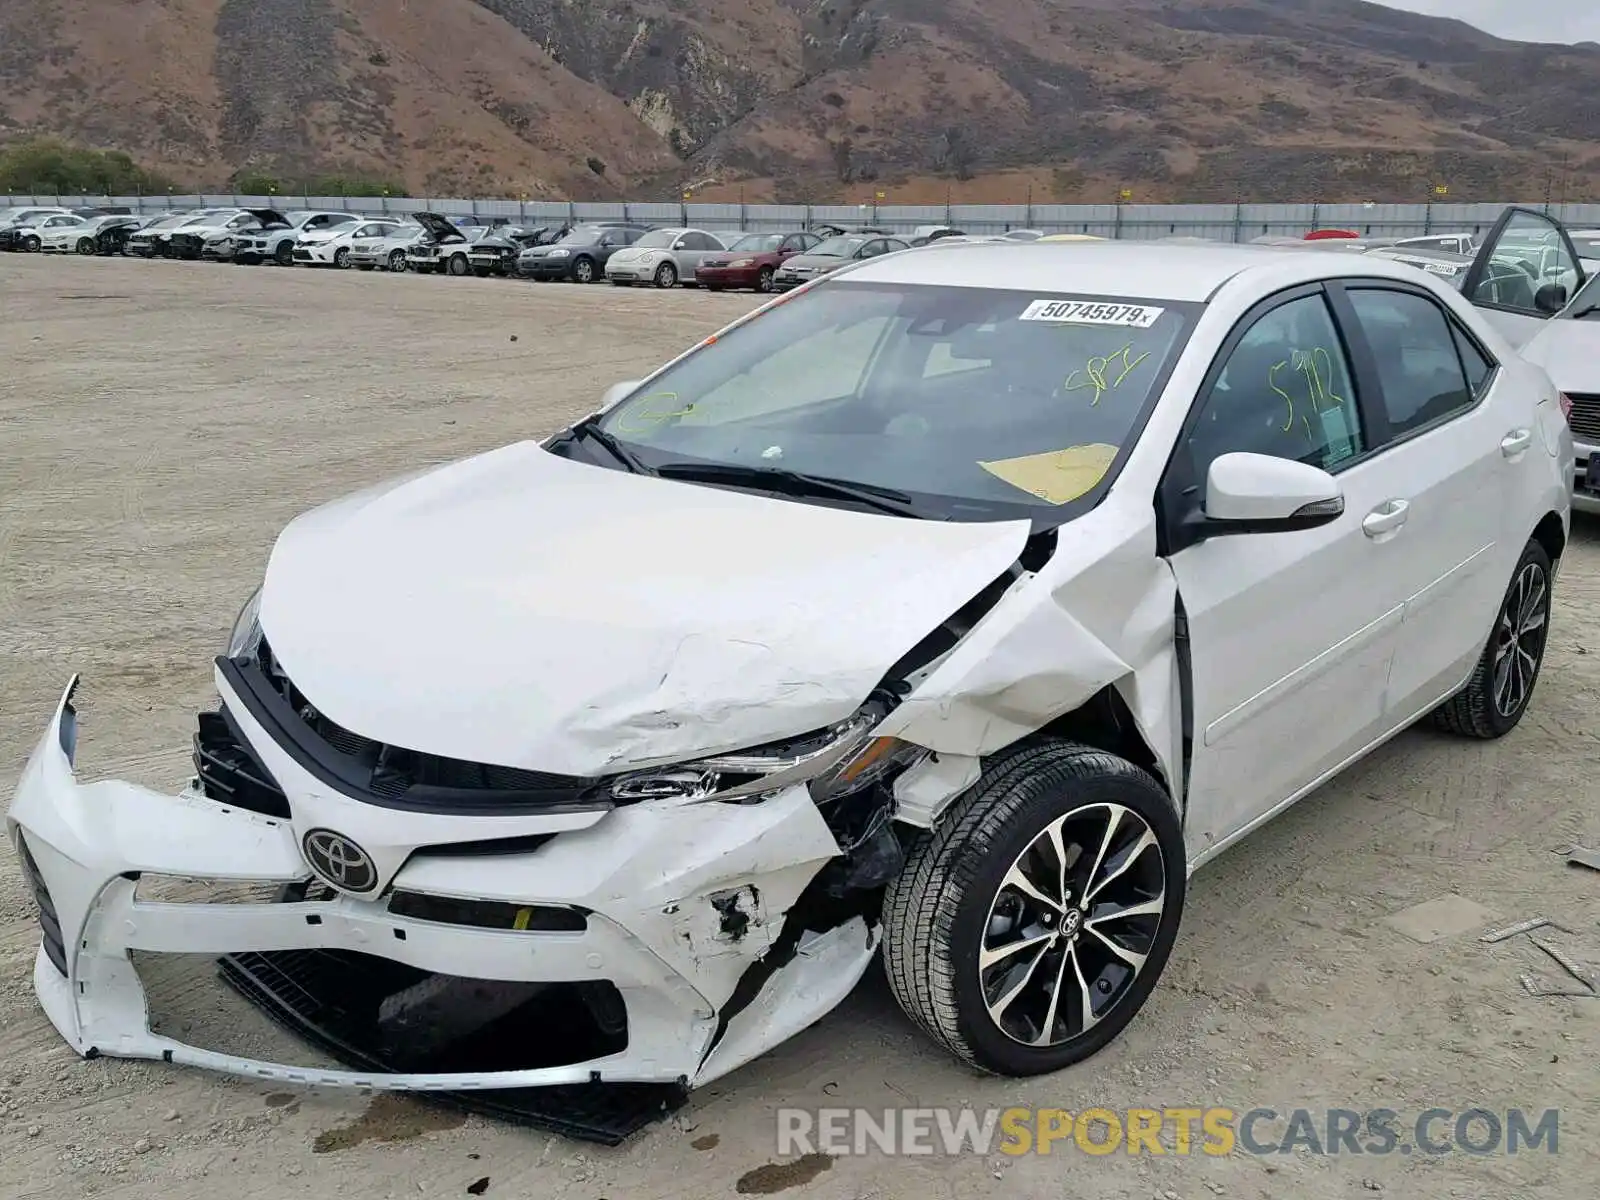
x: 160, y: 421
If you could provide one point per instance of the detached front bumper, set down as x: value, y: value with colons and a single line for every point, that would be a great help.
x: 673, y: 906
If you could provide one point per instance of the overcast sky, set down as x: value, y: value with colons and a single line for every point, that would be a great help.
x: 1527, y: 20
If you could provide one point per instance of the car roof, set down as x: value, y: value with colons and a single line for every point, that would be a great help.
x: 1165, y: 270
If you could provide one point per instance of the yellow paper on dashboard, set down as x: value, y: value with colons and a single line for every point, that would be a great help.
x: 1056, y: 476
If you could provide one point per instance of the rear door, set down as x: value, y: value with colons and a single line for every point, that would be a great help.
x: 1524, y: 273
x: 1445, y: 418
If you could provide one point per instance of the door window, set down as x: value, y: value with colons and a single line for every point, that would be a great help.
x: 1530, y: 253
x: 1285, y: 390
x: 1419, y: 367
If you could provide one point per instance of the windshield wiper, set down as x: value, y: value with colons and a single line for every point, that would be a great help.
x: 793, y: 483
x: 589, y: 429
x: 1586, y: 310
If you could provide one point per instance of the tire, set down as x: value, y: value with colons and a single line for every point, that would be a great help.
x: 459, y: 265
x: 583, y: 269
x: 666, y: 275
x: 341, y: 258
x: 284, y: 253
x: 397, y: 260
x: 764, y: 280
x: 940, y: 912
x: 31, y: 244
x: 85, y: 245
x: 1490, y: 706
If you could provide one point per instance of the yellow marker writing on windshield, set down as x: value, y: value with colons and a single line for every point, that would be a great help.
x: 642, y: 414
x: 1098, y: 371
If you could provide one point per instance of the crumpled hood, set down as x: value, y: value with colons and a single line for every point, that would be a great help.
x: 1569, y: 351
x: 526, y: 610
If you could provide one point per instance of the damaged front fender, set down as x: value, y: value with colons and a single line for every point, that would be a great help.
x: 1101, y: 612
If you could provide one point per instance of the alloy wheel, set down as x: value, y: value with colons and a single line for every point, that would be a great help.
x: 1519, y: 639
x: 341, y: 258
x: 1072, y: 924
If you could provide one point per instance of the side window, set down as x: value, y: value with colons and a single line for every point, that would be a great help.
x: 895, y: 244
x: 703, y: 241
x: 1477, y: 365
x: 1529, y: 254
x: 1419, y: 367
x: 873, y: 248
x: 1285, y: 390
x: 808, y: 240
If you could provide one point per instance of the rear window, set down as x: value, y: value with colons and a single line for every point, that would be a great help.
x: 985, y: 403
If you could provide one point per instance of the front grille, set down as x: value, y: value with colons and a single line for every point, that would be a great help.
x: 1585, y: 418
x: 302, y: 255
x: 411, y: 778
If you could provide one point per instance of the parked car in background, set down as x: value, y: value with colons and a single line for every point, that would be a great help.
x: 752, y: 260
x: 150, y: 240
x: 495, y: 253
x: 830, y: 255
x: 73, y: 237
x: 29, y: 237
x: 14, y: 218
x: 444, y: 247
x: 664, y: 257
x: 275, y: 243
x: 581, y: 254
x: 1454, y: 243
x: 387, y: 253
x: 330, y: 246
x: 218, y: 229
x: 112, y: 237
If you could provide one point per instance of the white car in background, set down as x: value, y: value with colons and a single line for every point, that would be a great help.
x: 276, y: 244
x: 331, y: 247
x: 74, y: 237
x: 975, y: 687
x: 388, y: 252
x: 664, y: 257
x: 29, y: 236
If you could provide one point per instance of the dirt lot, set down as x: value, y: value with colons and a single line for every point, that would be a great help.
x: 160, y: 421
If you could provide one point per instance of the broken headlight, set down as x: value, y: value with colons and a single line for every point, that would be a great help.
x: 246, y: 634
x: 832, y: 762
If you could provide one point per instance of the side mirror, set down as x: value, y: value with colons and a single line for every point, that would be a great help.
x: 617, y: 392
x: 1551, y: 298
x: 1258, y: 493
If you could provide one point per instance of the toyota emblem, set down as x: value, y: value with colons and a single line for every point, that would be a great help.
x: 339, y: 861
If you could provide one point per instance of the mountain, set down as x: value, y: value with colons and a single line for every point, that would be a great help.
x: 813, y: 99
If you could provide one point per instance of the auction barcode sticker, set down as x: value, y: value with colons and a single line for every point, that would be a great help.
x: 1091, y: 312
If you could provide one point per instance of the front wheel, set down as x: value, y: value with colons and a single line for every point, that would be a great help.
x: 666, y: 275
x: 85, y: 245
x: 284, y: 254
x: 583, y: 270
x: 459, y: 265
x: 1026, y: 930
x: 341, y: 258
x: 764, y: 280
x: 1501, y: 686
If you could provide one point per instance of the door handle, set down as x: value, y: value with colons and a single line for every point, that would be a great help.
x: 1386, y: 518
x: 1515, y: 442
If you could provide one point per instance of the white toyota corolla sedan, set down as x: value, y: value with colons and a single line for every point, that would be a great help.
x: 954, y: 607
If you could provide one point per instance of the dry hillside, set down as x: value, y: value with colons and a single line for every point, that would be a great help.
x: 1178, y: 99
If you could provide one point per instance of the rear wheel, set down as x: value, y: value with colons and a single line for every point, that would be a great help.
x: 764, y: 280
x: 1026, y: 930
x: 583, y: 270
x: 1501, y: 686
x: 85, y: 245
x: 397, y: 260
x: 459, y: 265
x: 31, y: 243
x: 284, y: 253
x: 666, y: 275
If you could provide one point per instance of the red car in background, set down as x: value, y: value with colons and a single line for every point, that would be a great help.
x: 752, y: 260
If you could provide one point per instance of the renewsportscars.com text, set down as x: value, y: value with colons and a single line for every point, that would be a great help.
x: 1213, y: 1131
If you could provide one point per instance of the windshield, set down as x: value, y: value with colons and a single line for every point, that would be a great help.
x: 581, y: 235
x: 838, y: 247
x: 758, y: 243
x: 659, y: 239
x: 979, y: 404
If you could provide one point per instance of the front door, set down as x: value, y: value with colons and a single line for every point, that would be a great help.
x: 1524, y: 273
x: 1289, y: 635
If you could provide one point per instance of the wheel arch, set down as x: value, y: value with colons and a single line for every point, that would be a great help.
x: 1551, y: 533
